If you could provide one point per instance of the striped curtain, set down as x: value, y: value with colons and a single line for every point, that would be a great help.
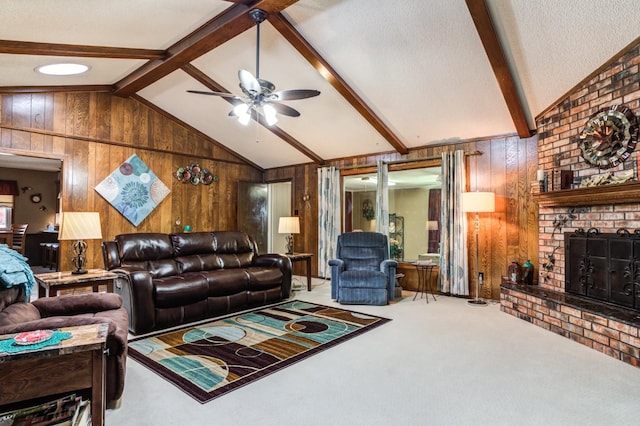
x: 454, y: 277
x: 328, y: 217
x: 382, y: 199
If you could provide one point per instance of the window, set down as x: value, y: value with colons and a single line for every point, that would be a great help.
x: 5, y: 218
x: 414, y: 202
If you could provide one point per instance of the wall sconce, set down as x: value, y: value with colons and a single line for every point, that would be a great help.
x: 195, y: 175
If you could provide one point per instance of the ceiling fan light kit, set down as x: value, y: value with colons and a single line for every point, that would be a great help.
x: 259, y: 97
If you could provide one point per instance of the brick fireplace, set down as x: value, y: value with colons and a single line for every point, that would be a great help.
x: 614, y: 331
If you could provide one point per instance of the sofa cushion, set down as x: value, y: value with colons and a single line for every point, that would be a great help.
x: 363, y: 279
x: 236, y: 249
x: 362, y: 250
x: 263, y: 278
x: 179, y: 290
x: 199, y: 262
x: 18, y: 313
x: 150, y: 251
x: 224, y: 282
x: 186, y: 244
x: 144, y: 246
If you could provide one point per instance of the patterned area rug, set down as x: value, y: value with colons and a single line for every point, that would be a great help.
x: 210, y: 359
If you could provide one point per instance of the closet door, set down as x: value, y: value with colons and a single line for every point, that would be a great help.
x: 252, y: 216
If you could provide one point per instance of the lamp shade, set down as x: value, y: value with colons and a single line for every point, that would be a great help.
x: 432, y: 225
x: 478, y: 202
x: 289, y: 225
x: 80, y: 226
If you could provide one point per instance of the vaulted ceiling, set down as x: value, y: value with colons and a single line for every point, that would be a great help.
x: 393, y: 75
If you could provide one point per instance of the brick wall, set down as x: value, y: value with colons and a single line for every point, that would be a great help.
x: 558, y: 148
x: 616, y: 338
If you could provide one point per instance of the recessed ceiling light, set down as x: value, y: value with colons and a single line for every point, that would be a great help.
x: 62, y: 69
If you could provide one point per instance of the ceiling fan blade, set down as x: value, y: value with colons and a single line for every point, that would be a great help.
x: 224, y: 95
x: 248, y: 83
x: 292, y: 95
x: 284, y: 109
x: 266, y: 86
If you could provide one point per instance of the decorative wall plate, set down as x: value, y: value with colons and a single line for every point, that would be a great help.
x: 609, y: 136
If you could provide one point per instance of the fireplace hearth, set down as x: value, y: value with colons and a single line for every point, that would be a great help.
x: 604, y: 266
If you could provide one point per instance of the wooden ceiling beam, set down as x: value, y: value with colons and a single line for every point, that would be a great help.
x: 48, y: 89
x: 495, y: 53
x: 228, y: 24
x: 216, y: 87
x: 286, y: 29
x: 56, y: 49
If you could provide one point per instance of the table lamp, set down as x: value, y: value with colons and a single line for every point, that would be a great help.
x: 478, y: 202
x: 80, y: 226
x: 290, y: 226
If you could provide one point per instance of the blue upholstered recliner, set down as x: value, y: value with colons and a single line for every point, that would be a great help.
x: 362, y: 274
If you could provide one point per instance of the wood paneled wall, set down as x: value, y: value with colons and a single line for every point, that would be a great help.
x: 94, y: 132
x: 507, y: 166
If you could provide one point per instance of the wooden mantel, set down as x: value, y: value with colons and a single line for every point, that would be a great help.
x: 621, y: 193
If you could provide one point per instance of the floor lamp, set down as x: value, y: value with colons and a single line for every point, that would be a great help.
x: 478, y: 202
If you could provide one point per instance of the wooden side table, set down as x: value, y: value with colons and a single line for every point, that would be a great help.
x: 299, y: 257
x: 56, y: 281
x: 75, y: 365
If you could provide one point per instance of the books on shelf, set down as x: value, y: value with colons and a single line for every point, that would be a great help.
x: 67, y: 410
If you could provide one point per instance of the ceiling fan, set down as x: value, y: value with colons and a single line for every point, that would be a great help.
x: 259, y: 96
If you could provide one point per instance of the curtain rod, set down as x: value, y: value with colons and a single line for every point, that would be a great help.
x: 404, y: 161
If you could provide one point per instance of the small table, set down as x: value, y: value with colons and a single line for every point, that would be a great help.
x: 75, y: 364
x: 57, y: 281
x: 424, y: 279
x: 299, y: 257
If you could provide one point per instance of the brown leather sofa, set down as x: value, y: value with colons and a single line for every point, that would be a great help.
x: 172, y: 279
x: 17, y: 316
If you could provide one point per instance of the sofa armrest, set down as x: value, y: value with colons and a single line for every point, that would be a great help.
x: 136, y: 288
x: 337, y: 266
x: 281, y: 262
x: 76, y: 304
x: 51, y: 323
x: 389, y: 267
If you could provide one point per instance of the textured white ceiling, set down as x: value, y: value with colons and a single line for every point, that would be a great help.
x: 418, y: 64
x: 552, y: 45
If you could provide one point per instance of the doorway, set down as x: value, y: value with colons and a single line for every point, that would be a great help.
x: 38, y: 200
x: 260, y: 207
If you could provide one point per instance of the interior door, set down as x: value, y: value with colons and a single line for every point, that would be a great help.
x: 253, y: 212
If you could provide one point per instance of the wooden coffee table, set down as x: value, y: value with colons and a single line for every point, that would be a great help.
x: 56, y: 281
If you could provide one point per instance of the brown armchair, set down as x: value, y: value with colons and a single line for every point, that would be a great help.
x: 71, y: 310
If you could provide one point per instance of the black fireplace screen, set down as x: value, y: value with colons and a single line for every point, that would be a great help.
x: 605, y: 267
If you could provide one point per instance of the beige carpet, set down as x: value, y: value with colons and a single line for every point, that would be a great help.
x: 442, y: 363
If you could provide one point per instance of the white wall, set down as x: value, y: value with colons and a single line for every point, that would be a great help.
x: 279, y: 195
